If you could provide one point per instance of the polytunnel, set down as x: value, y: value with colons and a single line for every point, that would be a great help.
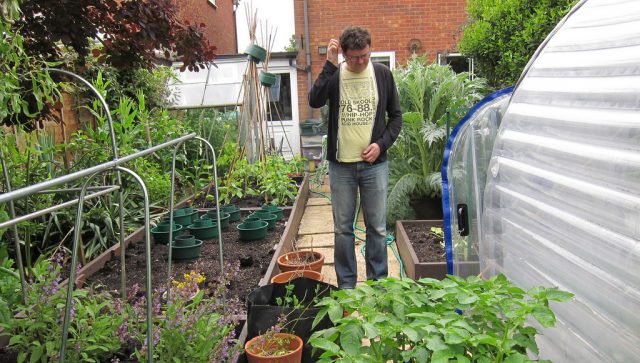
x: 464, y: 167
x: 558, y: 201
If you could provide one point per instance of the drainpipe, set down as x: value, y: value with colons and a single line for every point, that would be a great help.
x: 307, y: 48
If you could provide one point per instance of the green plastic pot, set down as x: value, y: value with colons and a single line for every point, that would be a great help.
x: 160, y: 233
x: 234, y: 212
x: 193, y: 212
x: 270, y: 218
x: 267, y: 79
x: 255, y: 53
x: 251, y: 231
x: 184, y: 240
x: 251, y: 219
x: 204, y: 228
x: 224, y: 218
x: 273, y: 209
x: 183, y: 216
x: 185, y: 253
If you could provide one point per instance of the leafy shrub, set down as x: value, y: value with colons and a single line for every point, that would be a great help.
x: 268, y: 179
x: 472, y: 320
x: 502, y: 35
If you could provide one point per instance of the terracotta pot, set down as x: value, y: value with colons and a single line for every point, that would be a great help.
x: 291, y: 261
x: 284, y: 277
x: 294, y: 346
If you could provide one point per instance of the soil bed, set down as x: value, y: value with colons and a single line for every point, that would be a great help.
x: 427, y: 245
x: 252, y: 258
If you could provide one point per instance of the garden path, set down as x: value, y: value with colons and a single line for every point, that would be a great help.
x: 316, y: 231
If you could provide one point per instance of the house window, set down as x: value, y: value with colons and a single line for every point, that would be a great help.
x: 386, y: 58
x: 280, y: 99
x: 213, y: 2
x: 457, y: 62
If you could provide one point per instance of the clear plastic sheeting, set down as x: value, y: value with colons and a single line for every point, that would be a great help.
x: 464, y: 172
x: 562, y: 198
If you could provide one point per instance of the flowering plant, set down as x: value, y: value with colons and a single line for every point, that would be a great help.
x: 193, y: 328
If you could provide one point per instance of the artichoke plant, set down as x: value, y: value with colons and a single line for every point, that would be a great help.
x: 430, y: 95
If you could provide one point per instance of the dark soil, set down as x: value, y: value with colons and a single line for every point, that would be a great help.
x: 427, y: 245
x: 252, y: 257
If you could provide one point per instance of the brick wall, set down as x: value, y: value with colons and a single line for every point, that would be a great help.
x: 392, y: 24
x: 220, y: 22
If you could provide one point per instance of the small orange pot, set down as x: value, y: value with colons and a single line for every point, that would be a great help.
x: 283, y: 278
x: 294, y: 346
x: 291, y: 261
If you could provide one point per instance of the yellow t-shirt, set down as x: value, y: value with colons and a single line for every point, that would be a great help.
x: 358, y: 104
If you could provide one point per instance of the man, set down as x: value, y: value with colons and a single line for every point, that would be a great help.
x: 360, y: 95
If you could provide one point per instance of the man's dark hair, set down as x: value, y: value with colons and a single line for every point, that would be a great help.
x: 354, y: 38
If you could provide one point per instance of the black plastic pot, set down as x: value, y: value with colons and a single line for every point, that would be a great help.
x: 263, y: 311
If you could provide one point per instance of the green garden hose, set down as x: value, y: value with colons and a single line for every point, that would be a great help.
x: 390, y: 239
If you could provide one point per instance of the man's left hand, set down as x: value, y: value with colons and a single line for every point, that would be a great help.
x: 371, y: 153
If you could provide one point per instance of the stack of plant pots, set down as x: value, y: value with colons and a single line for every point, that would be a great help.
x: 252, y: 230
x: 224, y: 218
x: 204, y: 228
x: 273, y: 209
x: 232, y: 210
x: 267, y: 217
x: 186, y: 247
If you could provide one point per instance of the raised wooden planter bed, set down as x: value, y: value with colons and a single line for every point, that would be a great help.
x: 412, y: 266
x: 285, y: 245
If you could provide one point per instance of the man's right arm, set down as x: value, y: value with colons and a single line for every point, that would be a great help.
x: 319, y: 93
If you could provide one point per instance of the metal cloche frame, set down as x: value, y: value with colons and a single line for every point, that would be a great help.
x: 110, y: 166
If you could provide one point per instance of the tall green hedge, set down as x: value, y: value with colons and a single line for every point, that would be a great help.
x: 502, y: 35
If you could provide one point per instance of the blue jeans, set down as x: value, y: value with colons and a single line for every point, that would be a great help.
x: 372, y: 180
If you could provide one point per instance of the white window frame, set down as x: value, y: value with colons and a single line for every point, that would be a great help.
x: 387, y: 54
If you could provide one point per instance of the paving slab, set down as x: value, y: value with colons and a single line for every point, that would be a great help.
x: 316, y: 220
x: 318, y: 201
x: 323, y: 188
x: 316, y: 231
x: 315, y: 240
x: 328, y: 270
